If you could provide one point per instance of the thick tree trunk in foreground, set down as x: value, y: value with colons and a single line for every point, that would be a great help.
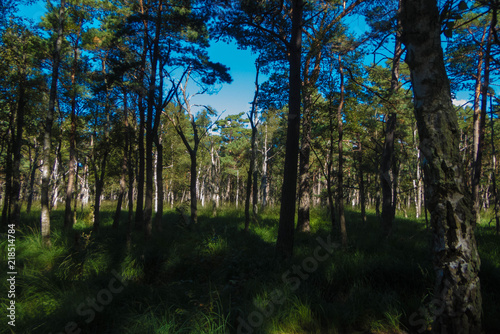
x: 456, y: 259
x: 284, y: 243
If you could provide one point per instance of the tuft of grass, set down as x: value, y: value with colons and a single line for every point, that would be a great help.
x: 204, y: 279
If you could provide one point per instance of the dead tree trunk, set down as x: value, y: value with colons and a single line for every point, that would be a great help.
x: 253, y: 155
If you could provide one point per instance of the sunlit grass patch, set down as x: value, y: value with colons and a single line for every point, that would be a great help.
x: 152, y: 322
x: 214, y: 244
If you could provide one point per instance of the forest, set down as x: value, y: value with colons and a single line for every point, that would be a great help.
x: 356, y: 193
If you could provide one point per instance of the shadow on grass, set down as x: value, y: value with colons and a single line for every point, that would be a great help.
x: 215, y: 278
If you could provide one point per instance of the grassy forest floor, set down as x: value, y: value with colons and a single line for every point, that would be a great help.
x: 215, y: 278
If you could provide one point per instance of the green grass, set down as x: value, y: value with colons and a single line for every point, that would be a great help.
x: 215, y: 278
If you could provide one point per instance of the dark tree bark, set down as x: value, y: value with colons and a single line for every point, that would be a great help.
x: 388, y: 172
x: 8, y: 173
x: 99, y: 166
x: 16, y: 150
x: 125, y: 163
x: 248, y: 191
x: 33, y: 167
x: 303, y: 213
x: 479, y: 146
x: 361, y: 181
x: 252, y: 174
x: 47, y: 134
x: 99, y: 184
x: 494, y: 169
x: 192, y: 185
x: 150, y: 135
x: 340, y: 173
x: 99, y: 163
x: 386, y: 181
x: 192, y: 150
x: 139, y: 210
x: 478, y: 123
x: 130, y: 195
x: 456, y: 258
x: 284, y: 243
x: 68, y: 214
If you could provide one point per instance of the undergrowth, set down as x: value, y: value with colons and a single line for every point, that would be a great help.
x: 216, y: 278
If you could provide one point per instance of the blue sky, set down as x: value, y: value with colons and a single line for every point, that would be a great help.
x: 235, y: 97
x: 230, y: 98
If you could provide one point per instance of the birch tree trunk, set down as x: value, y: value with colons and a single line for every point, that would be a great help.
x: 456, y: 258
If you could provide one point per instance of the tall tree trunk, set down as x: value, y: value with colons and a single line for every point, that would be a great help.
x: 159, y: 183
x: 99, y: 163
x: 361, y: 182
x: 192, y: 187
x: 33, y: 168
x: 68, y: 214
x: 148, y: 203
x: 99, y: 173
x: 237, y: 187
x: 16, y: 150
x: 388, y: 174
x: 386, y: 181
x: 139, y: 210
x: 478, y: 157
x: 284, y: 242
x: 253, y: 154
x: 8, y: 172
x: 263, y: 182
x: 99, y: 185
x: 49, y: 120
x: 130, y: 195
x: 478, y: 128
x: 456, y: 258
x: 330, y: 171
x: 303, y: 223
x: 125, y: 163
x: 247, y: 196
x: 340, y: 173
x: 494, y: 169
